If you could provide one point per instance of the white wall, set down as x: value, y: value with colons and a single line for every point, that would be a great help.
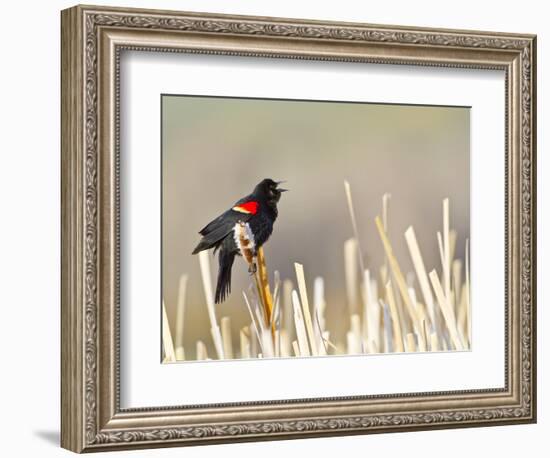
x: 29, y: 241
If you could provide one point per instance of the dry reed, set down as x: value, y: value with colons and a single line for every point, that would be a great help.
x: 385, y: 313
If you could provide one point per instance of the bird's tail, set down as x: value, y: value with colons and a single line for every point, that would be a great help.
x: 223, y: 286
x: 203, y: 245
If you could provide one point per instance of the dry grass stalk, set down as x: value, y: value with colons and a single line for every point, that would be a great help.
x: 265, y: 336
x: 180, y: 354
x: 226, y: 337
x: 385, y: 210
x: 202, y: 353
x: 374, y: 327
x: 398, y: 276
x: 264, y: 291
x: 385, y: 222
x: 396, y: 324
x: 254, y: 324
x: 468, y: 309
x: 423, y: 340
x: 180, y: 314
x: 277, y: 338
x: 296, y: 348
x: 387, y: 342
x: 351, y: 274
x: 256, y: 262
x: 421, y: 274
x: 406, y: 322
x: 300, y: 277
x: 446, y: 309
x: 462, y: 312
x: 353, y: 343
x: 392, y: 320
x: 204, y: 262
x: 268, y: 349
x: 285, y: 345
x: 354, y: 224
x: 441, y: 249
x: 254, y: 342
x: 356, y: 331
x: 319, y: 305
x: 420, y: 331
x: 446, y: 251
x: 365, y: 290
x: 167, y: 342
x: 372, y: 315
x: 383, y: 272
x: 434, y: 342
x: 301, y: 333
x: 245, y: 342
x: 452, y: 244
x: 275, y: 317
x: 456, y: 281
x: 323, y: 347
x: 410, y: 343
x: 287, y: 313
x: 329, y: 344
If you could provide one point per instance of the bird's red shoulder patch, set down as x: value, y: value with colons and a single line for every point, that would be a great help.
x: 250, y: 207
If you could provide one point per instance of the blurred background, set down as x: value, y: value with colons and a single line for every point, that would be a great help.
x: 215, y: 150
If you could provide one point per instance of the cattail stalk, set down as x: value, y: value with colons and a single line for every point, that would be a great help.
x: 300, y: 277
x: 254, y: 324
x: 391, y: 320
x: 180, y: 313
x: 467, y: 273
x: 285, y: 344
x: 446, y: 251
x: 398, y: 276
x: 351, y: 274
x: 396, y: 328
x: 167, y: 342
x: 388, y: 338
x: 226, y: 337
x: 204, y: 262
x: 287, y: 314
x: 434, y: 342
x: 264, y: 291
x: 410, y: 343
x: 456, y: 270
x: 202, y: 354
x: 421, y: 274
x: 245, y: 342
x: 347, y: 188
x: 447, y: 310
x: 296, y: 348
x: 301, y: 333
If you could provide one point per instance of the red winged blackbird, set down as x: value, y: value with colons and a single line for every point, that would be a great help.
x: 241, y: 230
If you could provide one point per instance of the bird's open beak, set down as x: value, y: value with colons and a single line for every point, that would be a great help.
x: 281, y: 189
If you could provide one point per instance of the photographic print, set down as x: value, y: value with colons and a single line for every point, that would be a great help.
x: 297, y: 228
x: 250, y: 195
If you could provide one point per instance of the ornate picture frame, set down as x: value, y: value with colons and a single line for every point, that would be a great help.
x: 92, y: 41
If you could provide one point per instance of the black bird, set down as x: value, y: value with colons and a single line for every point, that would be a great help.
x: 241, y: 230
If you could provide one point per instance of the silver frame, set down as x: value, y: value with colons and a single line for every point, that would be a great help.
x: 92, y: 40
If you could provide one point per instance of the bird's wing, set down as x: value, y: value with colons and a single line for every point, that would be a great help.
x: 217, y: 229
x: 222, y: 225
x: 243, y: 210
x: 247, y: 206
